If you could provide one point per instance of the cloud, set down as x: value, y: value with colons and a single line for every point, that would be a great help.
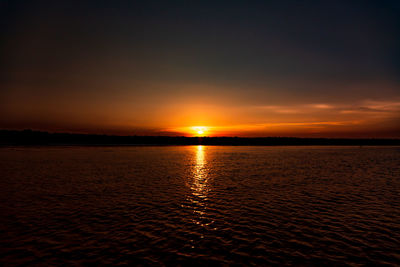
x: 292, y: 109
x: 365, y: 106
x: 370, y: 107
x: 321, y: 106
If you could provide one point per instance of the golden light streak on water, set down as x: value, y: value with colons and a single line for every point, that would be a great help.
x: 199, y: 187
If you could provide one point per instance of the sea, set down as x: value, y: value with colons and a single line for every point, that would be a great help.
x: 200, y: 205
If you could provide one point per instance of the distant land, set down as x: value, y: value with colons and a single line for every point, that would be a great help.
x: 30, y: 137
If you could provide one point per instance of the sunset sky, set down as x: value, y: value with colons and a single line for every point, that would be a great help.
x: 235, y: 68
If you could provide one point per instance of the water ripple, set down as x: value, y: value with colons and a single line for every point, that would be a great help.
x: 200, y: 205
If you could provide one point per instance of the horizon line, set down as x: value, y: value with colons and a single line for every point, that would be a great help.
x: 183, y: 136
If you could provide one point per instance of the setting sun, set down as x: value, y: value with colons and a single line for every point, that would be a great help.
x: 199, y: 130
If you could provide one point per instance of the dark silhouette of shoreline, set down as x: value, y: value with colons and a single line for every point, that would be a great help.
x: 29, y: 137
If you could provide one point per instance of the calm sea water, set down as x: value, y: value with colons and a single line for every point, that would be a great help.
x: 200, y: 205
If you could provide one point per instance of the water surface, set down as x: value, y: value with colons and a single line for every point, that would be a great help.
x: 200, y: 205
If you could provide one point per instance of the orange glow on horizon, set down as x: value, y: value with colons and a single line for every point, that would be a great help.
x: 199, y: 130
x: 264, y: 129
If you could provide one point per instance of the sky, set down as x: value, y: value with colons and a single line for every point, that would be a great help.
x: 234, y: 68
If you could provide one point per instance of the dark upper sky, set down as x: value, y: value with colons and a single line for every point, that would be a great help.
x: 305, y: 68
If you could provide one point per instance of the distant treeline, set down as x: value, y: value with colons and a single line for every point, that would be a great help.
x: 29, y: 137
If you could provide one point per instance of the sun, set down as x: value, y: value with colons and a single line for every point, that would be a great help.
x: 200, y: 130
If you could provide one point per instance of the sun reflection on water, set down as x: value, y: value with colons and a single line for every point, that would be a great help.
x: 200, y: 187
